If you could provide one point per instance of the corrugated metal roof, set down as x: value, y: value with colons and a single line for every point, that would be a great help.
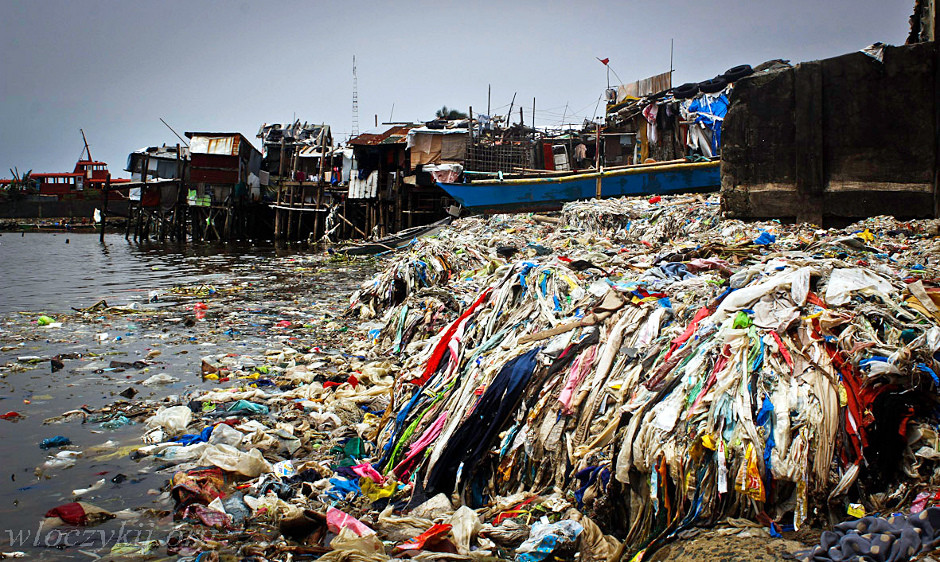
x: 394, y: 135
x: 224, y: 144
x: 309, y: 151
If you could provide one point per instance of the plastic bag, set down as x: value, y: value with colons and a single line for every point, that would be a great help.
x: 436, y: 533
x: 546, y: 538
x: 348, y: 547
x: 396, y: 528
x: 160, y: 378
x: 248, y: 407
x: 376, y: 492
x: 843, y: 282
x: 226, y: 457
x: 337, y: 520
x: 224, y: 434
x: 465, y: 525
x: 173, y: 420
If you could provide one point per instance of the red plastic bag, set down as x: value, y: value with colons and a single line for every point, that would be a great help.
x: 429, y: 538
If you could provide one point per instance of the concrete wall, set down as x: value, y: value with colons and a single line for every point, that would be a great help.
x: 843, y: 137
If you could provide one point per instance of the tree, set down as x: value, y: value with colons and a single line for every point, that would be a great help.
x: 450, y: 114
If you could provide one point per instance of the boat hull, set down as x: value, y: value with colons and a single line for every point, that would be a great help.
x: 542, y: 194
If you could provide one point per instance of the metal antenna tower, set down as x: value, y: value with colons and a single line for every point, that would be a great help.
x: 355, y: 108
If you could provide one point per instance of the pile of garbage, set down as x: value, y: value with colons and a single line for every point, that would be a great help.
x: 662, y: 368
x: 597, y: 385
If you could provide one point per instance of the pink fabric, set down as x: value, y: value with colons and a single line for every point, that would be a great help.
x: 402, y: 469
x: 365, y: 470
x: 337, y: 520
x: 579, y: 369
x: 700, y: 264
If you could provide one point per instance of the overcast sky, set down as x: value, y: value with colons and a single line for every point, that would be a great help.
x: 114, y: 68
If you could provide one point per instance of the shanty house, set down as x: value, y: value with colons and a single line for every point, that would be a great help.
x: 294, y: 147
x: 379, y: 159
x: 223, y: 166
x: 153, y: 166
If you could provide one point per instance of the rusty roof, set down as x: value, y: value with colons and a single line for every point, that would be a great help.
x: 395, y: 135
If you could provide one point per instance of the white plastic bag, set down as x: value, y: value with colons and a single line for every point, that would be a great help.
x: 226, y: 457
x: 174, y: 420
x: 224, y: 434
x: 844, y: 281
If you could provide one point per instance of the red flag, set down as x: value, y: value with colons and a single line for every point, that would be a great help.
x: 605, y: 61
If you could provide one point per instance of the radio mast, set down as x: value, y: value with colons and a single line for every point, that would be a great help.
x: 355, y: 107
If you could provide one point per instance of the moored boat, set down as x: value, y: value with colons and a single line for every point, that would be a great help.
x: 542, y: 193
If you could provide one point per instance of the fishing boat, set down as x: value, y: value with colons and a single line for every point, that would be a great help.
x: 394, y: 241
x: 85, y: 181
x: 550, y: 192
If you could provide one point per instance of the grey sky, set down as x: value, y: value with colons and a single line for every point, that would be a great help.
x: 115, y: 67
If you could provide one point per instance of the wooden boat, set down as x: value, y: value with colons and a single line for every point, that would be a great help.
x: 550, y: 193
x: 395, y: 241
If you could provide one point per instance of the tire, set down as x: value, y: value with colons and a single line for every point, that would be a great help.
x: 685, y: 91
x: 713, y: 86
x: 738, y: 72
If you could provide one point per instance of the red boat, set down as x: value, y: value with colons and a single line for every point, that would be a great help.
x: 85, y: 181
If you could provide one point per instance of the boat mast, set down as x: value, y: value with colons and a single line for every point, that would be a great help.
x: 87, y: 150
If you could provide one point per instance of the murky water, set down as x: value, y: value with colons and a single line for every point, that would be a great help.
x: 42, y: 274
x: 53, y: 272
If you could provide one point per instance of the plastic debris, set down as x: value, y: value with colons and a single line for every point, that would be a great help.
x: 54, y: 442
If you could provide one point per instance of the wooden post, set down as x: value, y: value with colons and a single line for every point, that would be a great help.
x: 277, y: 210
x: 104, y: 210
x: 356, y: 228
x: 320, y: 182
x: 290, y: 211
x: 400, y: 190
x: 180, y: 198
x: 303, y: 205
x: 597, y: 158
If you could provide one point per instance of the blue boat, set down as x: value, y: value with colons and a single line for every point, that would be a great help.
x: 550, y: 193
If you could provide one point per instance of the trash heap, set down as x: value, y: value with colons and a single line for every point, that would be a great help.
x: 661, y: 368
x: 596, y: 384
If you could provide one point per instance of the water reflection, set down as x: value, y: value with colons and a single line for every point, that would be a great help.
x: 39, y: 271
